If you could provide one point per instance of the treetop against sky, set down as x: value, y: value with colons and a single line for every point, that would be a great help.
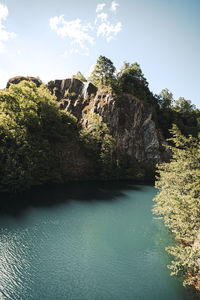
x: 55, y: 39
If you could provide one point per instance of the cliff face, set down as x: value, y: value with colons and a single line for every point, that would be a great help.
x: 131, y: 125
x: 128, y: 120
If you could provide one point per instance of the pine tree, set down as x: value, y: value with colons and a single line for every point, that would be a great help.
x: 103, y: 72
x: 79, y: 76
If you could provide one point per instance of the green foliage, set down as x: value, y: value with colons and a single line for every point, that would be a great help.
x: 129, y: 168
x: 100, y: 144
x: 79, y: 76
x: 166, y: 116
x: 31, y: 124
x: 184, y: 106
x: 103, y: 73
x: 130, y: 79
x: 180, y: 112
x: 165, y: 111
x: 178, y: 203
x: 166, y: 99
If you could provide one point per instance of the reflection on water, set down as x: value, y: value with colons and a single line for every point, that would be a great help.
x: 85, y: 241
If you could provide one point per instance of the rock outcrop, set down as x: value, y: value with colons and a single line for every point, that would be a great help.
x: 18, y: 79
x: 131, y: 124
x: 127, y: 118
x: 63, y: 88
x: 129, y: 121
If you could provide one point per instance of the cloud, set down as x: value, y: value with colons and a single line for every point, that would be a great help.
x: 100, y: 7
x: 19, y: 52
x: 105, y: 27
x: 3, y: 12
x: 5, y: 36
x: 2, y: 47
x: 109, y: 30
x: 81, y: 34
x: 102, y: 16
x: 74, y: 30
x: 76, y: 51
x: 114, y: 6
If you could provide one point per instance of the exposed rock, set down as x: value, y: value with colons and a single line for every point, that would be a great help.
x: 128, y: 121
x: 58, y: 87
x: 74, y: 87
x: 18, y: 79
x: 88, y: 90
x: 131, y: 124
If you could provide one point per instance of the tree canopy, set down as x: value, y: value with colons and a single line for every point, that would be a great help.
x: 131, y: 74
x: 33, y: 133
x: 166, y: 99
x: 101, y: 144
x: 31, y: 124
x: 178, y: 203
x: 79, y: 76
x: 103, y: 73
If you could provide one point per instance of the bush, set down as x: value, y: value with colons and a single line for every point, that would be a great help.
x: 100, y: 144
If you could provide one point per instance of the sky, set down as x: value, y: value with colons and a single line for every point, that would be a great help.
x: 55, y: 39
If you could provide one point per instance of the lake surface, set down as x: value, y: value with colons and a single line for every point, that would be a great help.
x: 85, y: 241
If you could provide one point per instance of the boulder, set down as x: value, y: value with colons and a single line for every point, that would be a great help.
x: 18, y: 79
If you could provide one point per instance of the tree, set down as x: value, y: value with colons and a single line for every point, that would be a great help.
x: 130, y: 79
x: 134, y: 71
x: 100, y: 143
x: 79, y: 76
x: 166, y: 99
x: 178, y: 204
x: 187, y: 116
x: 103, y: 73
x: 31, y: 125
x: 184, y: 106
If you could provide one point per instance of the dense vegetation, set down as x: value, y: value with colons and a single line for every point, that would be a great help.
x: 166, y: 110
x: 33, y: 134
x: 31, y: 124
x: 103, y: 73
x: 178, y: 203
x: 100, y: 144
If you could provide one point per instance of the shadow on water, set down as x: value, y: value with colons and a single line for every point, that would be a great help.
x: 52, y: 195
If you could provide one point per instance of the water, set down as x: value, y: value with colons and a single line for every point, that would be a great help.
x: 85, y: 241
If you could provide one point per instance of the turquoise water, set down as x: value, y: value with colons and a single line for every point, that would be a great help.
x: 85, y: 241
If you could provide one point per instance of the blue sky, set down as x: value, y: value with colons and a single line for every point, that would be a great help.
x: 55, y: 39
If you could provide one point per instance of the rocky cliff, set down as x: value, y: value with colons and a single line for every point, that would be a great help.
x: 128, y: 119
